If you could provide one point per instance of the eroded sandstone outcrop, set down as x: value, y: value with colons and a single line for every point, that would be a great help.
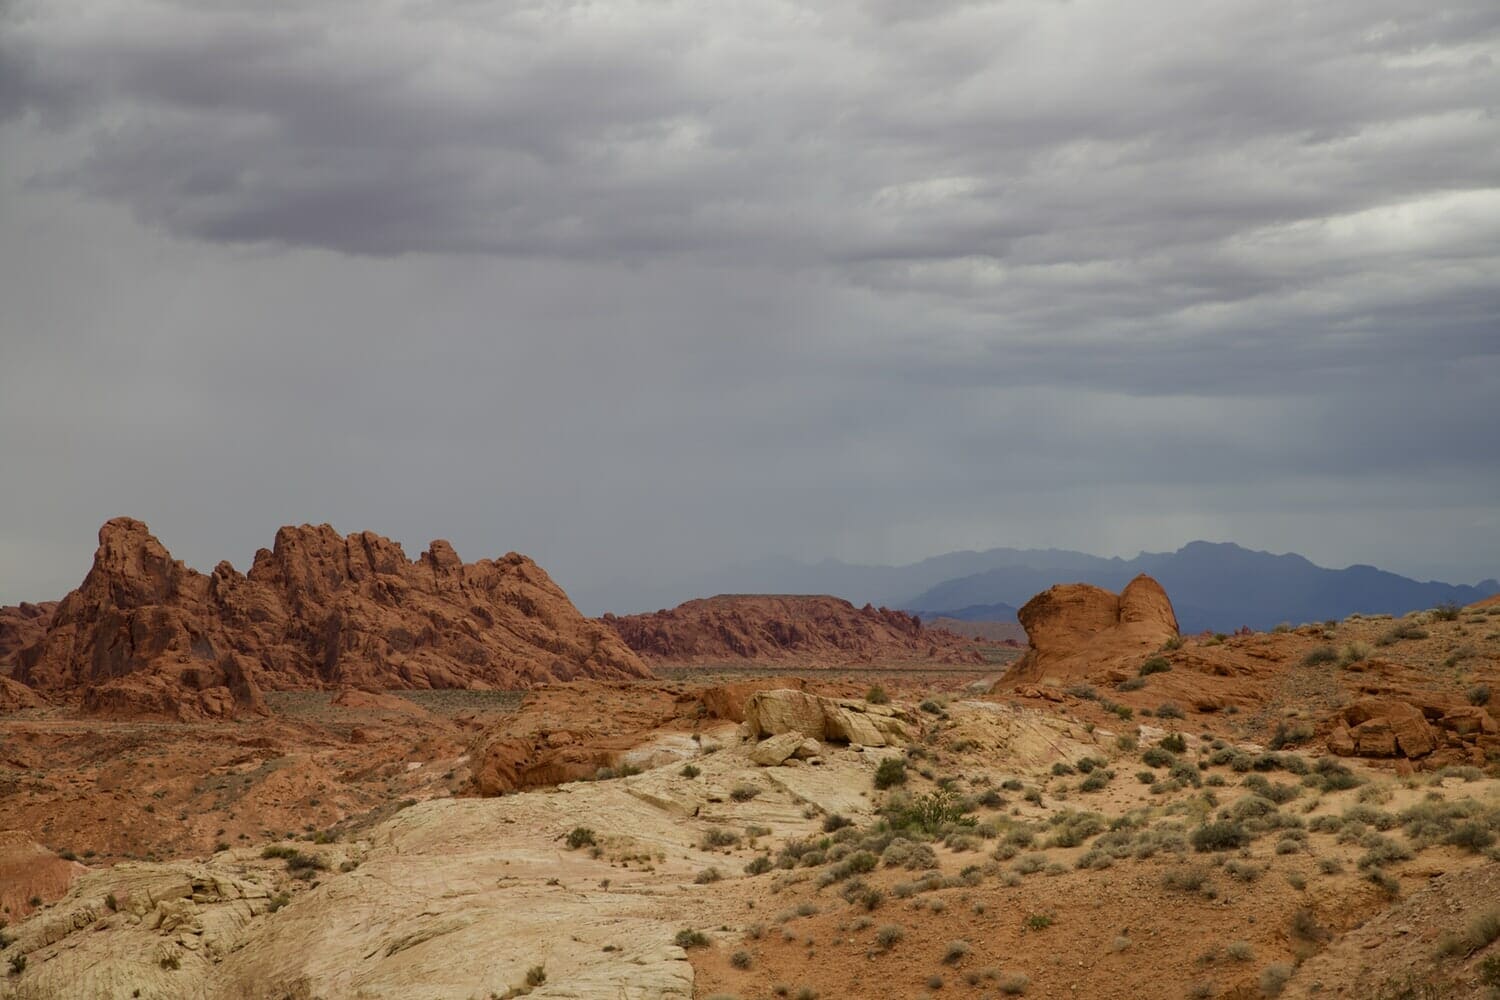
x: 1076, y: 629
x: 146, y: 634
x: 774, y: 628
x: 1403, y: 728
x: 843, y: 720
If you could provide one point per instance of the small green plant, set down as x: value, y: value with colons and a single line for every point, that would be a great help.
x: 1037, y: 921
x: 690, y: 771
x: 740, y: 959
x: 17, y: 964
x: 890, y: 772
x: 1479, y: 695
x: 1155, y: 665
x: 1445, y: 612
x: 581, y: 836
x: 536, y: 976
x: 889, y: 935
x: 758, y: 865
x: 877, y: 695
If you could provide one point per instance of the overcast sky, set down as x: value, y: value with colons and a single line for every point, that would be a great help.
x: 645, y: 288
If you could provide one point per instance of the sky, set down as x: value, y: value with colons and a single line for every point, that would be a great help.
x: 643, y: 289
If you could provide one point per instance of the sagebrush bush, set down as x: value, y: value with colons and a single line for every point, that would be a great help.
x: 890, y: 772
x: 1220, y: 835
x: 1155, y: 665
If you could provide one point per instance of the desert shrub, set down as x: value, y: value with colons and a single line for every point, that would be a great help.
x: 1062, y: 768
x: 1130, y: 684
x: 891, y: 772
x: 835, y: 821
x: 708, y: 875
x: 990, y: 799
x: 1272, y: 791
x: 1037, y: 921
x: 1157, y: 757
x: 689, y: 771
x: 1481, y: 929
x: 758, y: 865
x: 1096, y: 781
x: 1470, y: 834
x: 744, y: 792
x: 536, y: 976
x: 1155, y: 665
x: 932, y: 811
x: 1404, y: 630
x: 1085, y: 691
x: 715, y: 837
x: 1445, y: 612
x: 1318, y: 655
x: 1014, y: 984
x: 1240, y: 951
x: 1286, y: 735
x: 1273, y: 978
x: 1355, y: 652
x: 1335, y: 777
x: 889, y: 935
x: 1072, y: 828
x: 580, y: 836
x: 931, y: 707
x: 1030, y: 864
x: 1244, y: 871
x: 1479, y: 695
x: 1173, y: 743
x: 1185, y: 878
x: 908, y: 854
x: 1330, y: 866
x: 740, y: 959
x: 877, y: 695
x: 956, y: 951
x: 689, y: 938
x: 1167, y: 710
x: 1220, y: 835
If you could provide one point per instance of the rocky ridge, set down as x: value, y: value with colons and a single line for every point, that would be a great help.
x: 776, y: 628
x: 145, y: 634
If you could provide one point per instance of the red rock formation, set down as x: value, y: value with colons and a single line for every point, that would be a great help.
x: 146, y: 634
x: 21, y: 625
x: 779, y: 629
x: 1076, y: 629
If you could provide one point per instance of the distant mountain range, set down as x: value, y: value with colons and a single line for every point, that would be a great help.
x: 1216, y: 586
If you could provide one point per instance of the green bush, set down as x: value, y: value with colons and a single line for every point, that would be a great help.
x: 891, y: 772
x: 689, y: 771
x: 1220, y: 835
x: 1155, y: 665
x: 1173, y: 743
x: 581, y: 836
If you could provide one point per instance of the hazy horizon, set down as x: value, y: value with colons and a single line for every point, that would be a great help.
x: 643, y: 290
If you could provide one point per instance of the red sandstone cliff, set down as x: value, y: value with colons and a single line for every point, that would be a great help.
x: 144, y: 633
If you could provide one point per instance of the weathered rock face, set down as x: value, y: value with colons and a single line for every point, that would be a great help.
x: 844, y: 720
x: 21, y: 625
x: 1077, y: 628
x: 146, y: 634
x: 781, y: 628
x: 1393, y: 727
x: 15, y: 696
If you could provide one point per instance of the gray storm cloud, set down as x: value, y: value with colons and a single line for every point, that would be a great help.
x: 641, y: 288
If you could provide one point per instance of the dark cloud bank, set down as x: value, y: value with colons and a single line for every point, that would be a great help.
x: 645, y: 289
